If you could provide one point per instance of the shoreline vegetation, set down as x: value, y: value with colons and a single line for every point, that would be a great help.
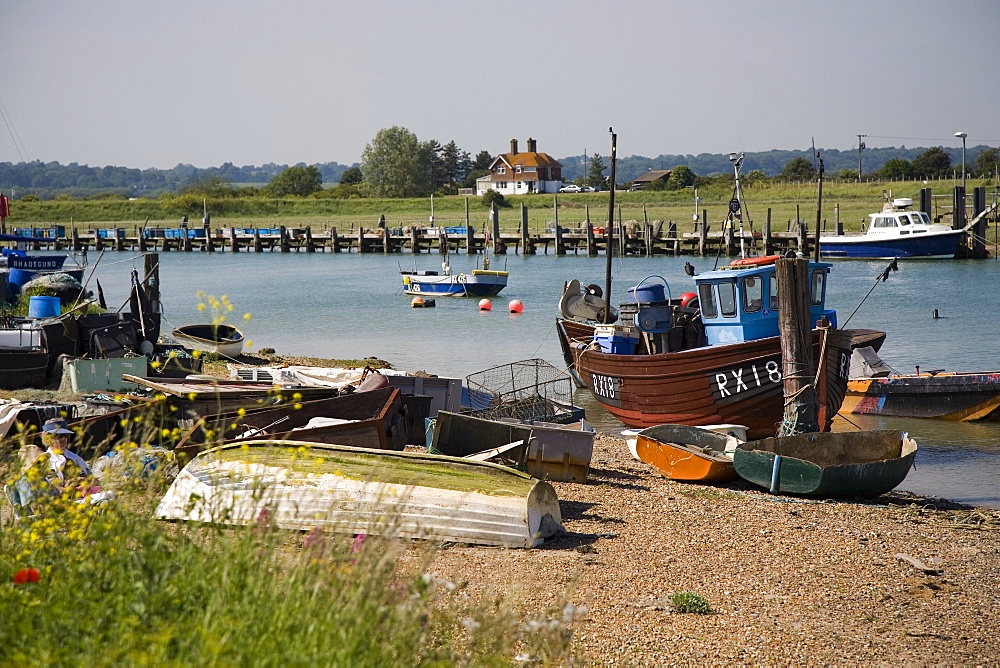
x: 649, y: 572
x: 850, y: 202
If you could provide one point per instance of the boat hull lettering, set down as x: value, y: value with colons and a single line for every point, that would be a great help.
x: 606, y: 389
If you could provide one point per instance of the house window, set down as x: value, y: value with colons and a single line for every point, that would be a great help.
x: 501, y: 170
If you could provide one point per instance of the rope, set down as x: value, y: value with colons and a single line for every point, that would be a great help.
x: 884, y: 276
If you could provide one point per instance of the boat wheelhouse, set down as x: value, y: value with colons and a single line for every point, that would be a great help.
x: 740, y: 302
x: 895, y: 232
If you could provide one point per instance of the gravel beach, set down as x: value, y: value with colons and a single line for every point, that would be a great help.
x: 899, y: 580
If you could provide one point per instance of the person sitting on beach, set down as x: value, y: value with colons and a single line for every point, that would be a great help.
x: 58, y: 470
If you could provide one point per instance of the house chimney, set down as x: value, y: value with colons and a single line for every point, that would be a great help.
x: 531, y: 145
x: 513, y: 147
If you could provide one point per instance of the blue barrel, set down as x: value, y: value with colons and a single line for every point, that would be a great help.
x: 43, y: 307
x: 652, y: 292
x: 17, y: 278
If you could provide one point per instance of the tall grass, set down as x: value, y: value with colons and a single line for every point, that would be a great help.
x: 116, y: 587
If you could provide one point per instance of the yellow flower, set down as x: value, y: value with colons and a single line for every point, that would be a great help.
x: 246, y: 316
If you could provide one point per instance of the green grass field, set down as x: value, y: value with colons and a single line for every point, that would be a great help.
x: 850, y: 202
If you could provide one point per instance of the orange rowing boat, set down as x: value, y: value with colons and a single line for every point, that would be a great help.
x: 681, y: 452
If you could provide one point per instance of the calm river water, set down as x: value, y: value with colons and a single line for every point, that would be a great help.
x: 351, y: 306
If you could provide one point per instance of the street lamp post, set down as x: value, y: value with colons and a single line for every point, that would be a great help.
x: 963, y: 135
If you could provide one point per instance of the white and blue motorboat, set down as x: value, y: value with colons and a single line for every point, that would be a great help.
x: 895, y: 232
x: 478, y: 283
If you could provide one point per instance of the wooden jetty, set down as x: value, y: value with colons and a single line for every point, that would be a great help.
x: 641, y: 238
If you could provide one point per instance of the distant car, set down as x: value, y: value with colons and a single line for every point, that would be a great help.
x: 589, y: 189
x: 571, y: 188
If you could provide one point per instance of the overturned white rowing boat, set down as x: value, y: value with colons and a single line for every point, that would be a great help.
x: 358, y: 490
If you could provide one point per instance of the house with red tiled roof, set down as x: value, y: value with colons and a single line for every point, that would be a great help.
x: 517, y: 173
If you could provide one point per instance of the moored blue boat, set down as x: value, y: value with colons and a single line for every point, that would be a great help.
x: 895, y: 232
x: 477, y: 283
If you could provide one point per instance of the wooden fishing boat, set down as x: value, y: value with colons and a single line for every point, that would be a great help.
x: 688, y: 453
x: 361, y: 491
x: 224, y: 340
x: 946, y: 396
x: 709, y: 358
x: 842, y: 464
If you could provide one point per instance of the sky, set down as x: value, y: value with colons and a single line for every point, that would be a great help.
x: 144, y: 84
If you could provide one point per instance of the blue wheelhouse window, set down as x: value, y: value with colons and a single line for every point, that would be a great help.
x: 818, y: 286
x: 706, y: 301
x: 727, y: 298
x: 753, y: 294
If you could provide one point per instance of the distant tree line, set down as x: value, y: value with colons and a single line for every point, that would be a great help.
x: 773, y: 163
x: 397, y: 164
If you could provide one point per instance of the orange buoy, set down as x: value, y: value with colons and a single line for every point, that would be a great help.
x: 754, y: 261
x: 515, y: 306
x: 485, y: 305
x: 687, y: 297
x: 417, y: 302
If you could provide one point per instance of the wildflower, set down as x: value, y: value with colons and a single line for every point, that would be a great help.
x: 26, y: 575
x: 314, y: 539
x: 358, y: 542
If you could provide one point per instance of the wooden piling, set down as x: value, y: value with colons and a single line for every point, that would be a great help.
x: 560, y: 246
x: 958, y: 208
x: 334, y: 240
x: 234, y: 245
x: 310, y: 244
x: 525, y: 239
x: 767, y: 239
x: 796, y: 346
x: 979, y: 231
x: 499, y: 247
x: 257, y: 246
x: 703, y: 233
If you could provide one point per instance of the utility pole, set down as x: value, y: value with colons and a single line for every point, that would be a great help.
x: 861, y: 146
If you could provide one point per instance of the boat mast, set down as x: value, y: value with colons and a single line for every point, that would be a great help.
x: 609, y: 232
x: 736, y: 204
x: 819, y: 208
